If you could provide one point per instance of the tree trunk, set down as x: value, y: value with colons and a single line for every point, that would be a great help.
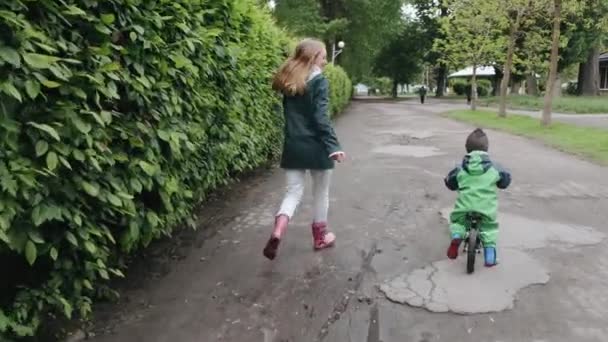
x: 442, y: 70
x: 515, y: 87
x: 496, y: 81
x: 581, y: 78
x: 502, y: 109
x: 546, y: 118
x: 504, y: 84
x: 557, y: 91
x: 532, y: 85
x: 589, y: 74
x: 474, y: 88
x: 394, y: 92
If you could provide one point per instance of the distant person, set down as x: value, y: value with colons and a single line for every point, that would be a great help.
x: 310, y: 143
x: 477, y: 181
x: 467, y: 90
x: 422, y: 93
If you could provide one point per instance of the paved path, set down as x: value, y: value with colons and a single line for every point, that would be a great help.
x: 388, y: 278
x: 585, y: 120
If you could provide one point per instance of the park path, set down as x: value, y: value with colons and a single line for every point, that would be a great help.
x: 583, y: 120
x: 387, y: 279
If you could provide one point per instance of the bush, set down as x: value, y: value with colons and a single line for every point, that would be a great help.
x: 385, y: 85
x: 484, y: 87
x: 572, y: 88
x: 460, y: 87
x: 117, y: 118
x: 341, y: 88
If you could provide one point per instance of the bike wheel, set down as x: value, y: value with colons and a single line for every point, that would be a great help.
x: 471, y: 251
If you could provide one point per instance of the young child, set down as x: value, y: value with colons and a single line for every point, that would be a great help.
x: 310, y: 141
x: 476, y: 181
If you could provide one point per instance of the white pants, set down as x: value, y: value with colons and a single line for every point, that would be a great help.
x: 295, y: 190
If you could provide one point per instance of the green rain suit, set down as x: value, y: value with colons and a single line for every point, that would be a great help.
x: 477, y: 181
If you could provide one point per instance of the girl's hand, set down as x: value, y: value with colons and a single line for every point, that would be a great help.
x: 338, y: 156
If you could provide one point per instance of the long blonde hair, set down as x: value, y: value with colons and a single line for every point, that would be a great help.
x: 292, y: 76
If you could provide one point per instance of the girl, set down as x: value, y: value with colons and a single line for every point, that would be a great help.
x: 310, y: 141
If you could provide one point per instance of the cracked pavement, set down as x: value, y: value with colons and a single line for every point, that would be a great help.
x: 214, y: 285
x: 489, y: 290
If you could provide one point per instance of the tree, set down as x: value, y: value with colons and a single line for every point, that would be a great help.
x: 429, y: 14
x: 372, y: 24
x: 576, y: 37
x: 472, y: 36
x: 515, y: 13
x: 592, y: 26
x: 496, y: 79
x: 303, y: 18
x: 533, y: 48
x: 401, y: 59
x: 557, y: 12
x: 589, y: 74
x: 362, y: 24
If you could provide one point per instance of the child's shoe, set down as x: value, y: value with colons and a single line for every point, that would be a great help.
x: 490, y: 256
x: 280, y: 225
x: 321, y: 237
x: 454, y: 245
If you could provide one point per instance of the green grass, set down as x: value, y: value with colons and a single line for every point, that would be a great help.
x: 563, y: 104
x: 588, y: 142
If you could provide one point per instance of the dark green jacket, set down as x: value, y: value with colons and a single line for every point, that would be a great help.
x: 309, y: 135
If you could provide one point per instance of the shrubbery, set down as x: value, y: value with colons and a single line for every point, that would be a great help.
x: 572, y: 88
x: 461, y: 87
x: 341, y: 88
x: 379, y: 85
x: 484, y: 87
x: 117, y: 117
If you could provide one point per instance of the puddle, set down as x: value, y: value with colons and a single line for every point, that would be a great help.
x: 419, y: 134
x: 445, y: 286
x: 410, y: 151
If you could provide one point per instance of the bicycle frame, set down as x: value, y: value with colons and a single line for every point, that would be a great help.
x: 473, y: 221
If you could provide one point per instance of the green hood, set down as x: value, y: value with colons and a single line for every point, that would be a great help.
x: 476, y: 163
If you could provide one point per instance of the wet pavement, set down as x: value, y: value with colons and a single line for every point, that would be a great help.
x: 388, y: 278
x: 443, y: 287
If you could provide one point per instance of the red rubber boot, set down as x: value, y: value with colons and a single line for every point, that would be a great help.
x: 280, y: 226
x: 453, y: 249
x: 321, y: 237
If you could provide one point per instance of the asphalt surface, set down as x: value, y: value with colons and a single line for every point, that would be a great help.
x: 387, y: 279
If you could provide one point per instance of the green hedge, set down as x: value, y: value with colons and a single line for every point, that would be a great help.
x: 461, y: 87
x: 116, y: 118
x: 341, y: 88
x: 484, y: 87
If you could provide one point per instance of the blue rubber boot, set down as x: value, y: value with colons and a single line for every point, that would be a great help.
x: 489, y: 254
